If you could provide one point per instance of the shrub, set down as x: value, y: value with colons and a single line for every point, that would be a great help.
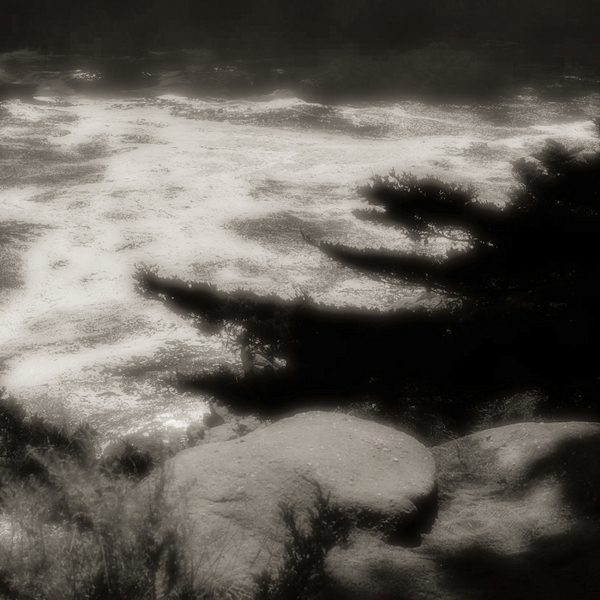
x: 97, y: 537
x: 75, y: 529
x: 527, y: 278
x: 422, y: 205
x: 24, y: 439
x: 302, y: 574
x: 131, y: 462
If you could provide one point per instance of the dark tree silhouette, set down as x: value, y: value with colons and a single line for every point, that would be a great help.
x: 518, y: 308
x: 543, y: 240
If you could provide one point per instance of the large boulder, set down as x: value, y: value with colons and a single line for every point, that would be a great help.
x: 381, y: 480
x: 518, y: 518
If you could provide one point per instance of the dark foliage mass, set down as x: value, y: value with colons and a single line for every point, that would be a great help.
x: 302, y: 574
x: 30, y: 445
x: 85, y: 528
x: 81, y: 528
x: 528, y: 282
x: 519, y: 304
x: 423, y: 204
x: 24, y: 439
x: 543, y: 240
x: 327, y: 351
x: 131, y: 461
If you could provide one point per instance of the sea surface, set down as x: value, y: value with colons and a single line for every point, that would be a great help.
x: 94, y: 183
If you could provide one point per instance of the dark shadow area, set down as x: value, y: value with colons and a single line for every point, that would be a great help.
x: 544, y: 240
x: 565, y: 566
x: 463, y: 356
x: 519, y: 309
x: 576, y: 465
x: 408, y: 534
x: 17, y: 91
x: 422, y: 205
x: 453, y: 276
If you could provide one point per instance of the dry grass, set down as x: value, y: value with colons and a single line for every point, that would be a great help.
x: 72, y: 528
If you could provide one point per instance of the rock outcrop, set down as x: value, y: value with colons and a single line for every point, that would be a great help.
x: 518, y: 518
x: 382, y: 480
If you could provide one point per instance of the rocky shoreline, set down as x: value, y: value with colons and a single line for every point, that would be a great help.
x: 510, y: 511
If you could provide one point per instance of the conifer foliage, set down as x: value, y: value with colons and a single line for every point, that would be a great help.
x: 543, y: 239
x: 519, y: 302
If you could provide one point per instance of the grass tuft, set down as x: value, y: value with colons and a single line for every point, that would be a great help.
x: 75, y: 528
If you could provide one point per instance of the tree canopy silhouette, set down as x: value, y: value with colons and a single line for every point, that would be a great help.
x: 519, y: 302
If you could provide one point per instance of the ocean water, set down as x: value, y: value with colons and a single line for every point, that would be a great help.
x: 93, y: 184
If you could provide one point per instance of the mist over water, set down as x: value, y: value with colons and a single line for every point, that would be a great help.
x: 99, y: 175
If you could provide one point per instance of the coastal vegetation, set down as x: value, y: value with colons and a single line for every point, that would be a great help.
x: 508, y: 333
x: 302, y: 574
x: 75, y: 526
x: 516, y: 309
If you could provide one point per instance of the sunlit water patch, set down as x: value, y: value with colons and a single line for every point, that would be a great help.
x: 222, y: 191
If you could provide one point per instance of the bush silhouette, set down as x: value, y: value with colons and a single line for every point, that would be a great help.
x: 24, y: 440
x: 302, y: 573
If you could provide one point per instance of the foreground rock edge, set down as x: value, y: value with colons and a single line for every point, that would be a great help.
x: 518, y: 518
x: 381, y: 479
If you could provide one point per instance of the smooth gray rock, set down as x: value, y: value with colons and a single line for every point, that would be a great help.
x: 383, y: 479
x: 518, y: 519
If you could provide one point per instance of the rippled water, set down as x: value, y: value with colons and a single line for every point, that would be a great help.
x: 208, y: 190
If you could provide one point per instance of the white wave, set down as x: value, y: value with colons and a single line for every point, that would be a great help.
x: 213, y: 201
